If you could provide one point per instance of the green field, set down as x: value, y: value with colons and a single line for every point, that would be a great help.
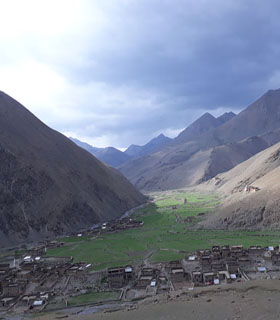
x: 165, y: 235
x: 92, y: 297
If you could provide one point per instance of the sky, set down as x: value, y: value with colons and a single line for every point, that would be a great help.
x: 120, y: 72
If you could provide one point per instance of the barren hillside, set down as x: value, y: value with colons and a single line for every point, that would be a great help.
x: 251, y: 192
x: 48, y: 185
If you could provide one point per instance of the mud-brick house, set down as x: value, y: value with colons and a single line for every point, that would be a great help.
x: 177, y: 275
x: 144, y: 281
x: 275, y: 258
x: 205, y: 262
x: 149, y: 272
x: 128, y: 273
x: 4, y: 270
x: 4, y: 266
x: 216, y: 253
x: 208, y: 278
x: 13, y: 289
x: 32, y: 266
x: 24, y: 275
x: 225, y: 250
x: 256, y: 250
x: 224, y: 275
x: 236, y: 251
x: 115, y: 277
x: 232, y: 267
x: 206, y: 252
x: 218, y: 265
x: 197, y: 277
x: 244, y: 260
x: 216, y: 249
x: 146, y: 276
x: 176, y: 264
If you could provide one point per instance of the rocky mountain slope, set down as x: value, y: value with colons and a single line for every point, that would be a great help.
x: 109, y: 155
x: 209, y: 146
x: 203, y: 124
x: 152, y: 146
x: 226, y: 117
x: 48, y: 185
x: 251, y: 192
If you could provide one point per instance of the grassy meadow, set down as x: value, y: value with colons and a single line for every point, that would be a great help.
x: 92, y: 297
x: 167, y: 234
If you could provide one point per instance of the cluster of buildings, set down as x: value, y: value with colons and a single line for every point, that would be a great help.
x: 34, y: 281
x: 215, y: 266
x: 28, y: 282
x: 112, y: 226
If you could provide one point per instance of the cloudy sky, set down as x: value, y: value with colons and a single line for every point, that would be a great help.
x: 117, y: 72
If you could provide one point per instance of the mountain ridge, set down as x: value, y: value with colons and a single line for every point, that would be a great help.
x: 108, y: 155
x: 48, y: 185
x: 186, y: 160
x: 152, y: 146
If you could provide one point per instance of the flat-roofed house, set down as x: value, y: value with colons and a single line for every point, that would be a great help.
x: 208, y: 278
x: 197, y: 277
x: 128, y: 273
x: 116, y: 276
x: 225, y: 251
x: 275, y: 258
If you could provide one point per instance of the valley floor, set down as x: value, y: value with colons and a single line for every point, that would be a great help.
x: 169, y: 232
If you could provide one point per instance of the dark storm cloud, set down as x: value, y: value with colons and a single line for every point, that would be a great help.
x: 205, y: 51
x: 138, y: 68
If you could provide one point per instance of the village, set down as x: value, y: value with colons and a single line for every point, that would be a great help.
x: 35, y: 282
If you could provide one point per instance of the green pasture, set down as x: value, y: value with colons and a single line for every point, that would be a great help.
x: 165, y: 235
x: 92, y: 297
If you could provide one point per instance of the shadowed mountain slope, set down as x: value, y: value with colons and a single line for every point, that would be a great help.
x: 226, y: 117
x: 203, y: 124
x: 208, y: 147
x: 110, y: 155
x: 152, y: 146
x: 48, y: 185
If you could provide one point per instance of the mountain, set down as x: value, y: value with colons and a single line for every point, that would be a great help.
x: 245, y: 209
x: 226, y: 117
x: 112, y: 156
x: 48, y: 185
x: 86, y: 146
x: 152, y: 146
x: 197, y: 128
x: 208, y: 147
x: 109, y: 155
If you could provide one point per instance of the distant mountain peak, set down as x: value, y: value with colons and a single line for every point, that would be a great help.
x: 109, y: 155
x: 206, y: 115
x: 204, y: 123
x: 273, y: 91
x: 226, y: 117
x: 152, y: 146
x: 161, y: 136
